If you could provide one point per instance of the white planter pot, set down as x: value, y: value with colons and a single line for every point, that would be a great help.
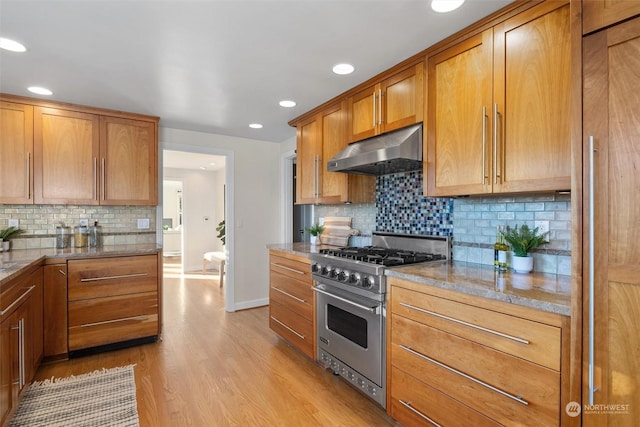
x: 522, y: 264
x: 315, y: 240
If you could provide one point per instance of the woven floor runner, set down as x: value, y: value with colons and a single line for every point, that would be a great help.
x: 100, y: 398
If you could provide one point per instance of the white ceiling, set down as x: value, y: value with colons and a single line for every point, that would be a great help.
x: 215, y: 65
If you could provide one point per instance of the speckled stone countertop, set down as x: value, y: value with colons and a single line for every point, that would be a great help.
x: 12, y: 263
x: 547, y: 292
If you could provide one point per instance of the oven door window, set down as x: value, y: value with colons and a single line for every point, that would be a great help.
x: 350, y: 326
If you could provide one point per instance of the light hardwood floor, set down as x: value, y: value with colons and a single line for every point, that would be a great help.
x: 214, y: 368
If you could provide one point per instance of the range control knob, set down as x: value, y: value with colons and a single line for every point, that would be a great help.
x: 334, y: 273
x: 368, y: 282
x: 354, y: 278
x: 326, y: 269
x: 315, y: 268
x: 343, y: 275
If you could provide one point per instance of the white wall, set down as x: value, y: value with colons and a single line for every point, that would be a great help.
x: 199, y: 194
x: 255, y: 168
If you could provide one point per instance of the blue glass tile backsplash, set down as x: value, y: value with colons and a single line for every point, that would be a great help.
x: 401, y: 207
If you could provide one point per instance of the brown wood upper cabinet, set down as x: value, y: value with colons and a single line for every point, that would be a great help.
x: 319, y: 138
x: 390, y: 104
x: 597, y: 14
x: 85, y: 158
x: 16, y: 153
x: 499, y: 108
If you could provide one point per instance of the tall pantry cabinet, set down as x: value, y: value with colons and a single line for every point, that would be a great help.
x: 611, y: 218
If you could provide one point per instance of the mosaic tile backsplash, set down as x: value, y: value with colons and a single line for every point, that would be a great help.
x: 401, y: 207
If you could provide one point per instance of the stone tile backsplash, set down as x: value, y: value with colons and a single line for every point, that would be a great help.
x: 119, y: 223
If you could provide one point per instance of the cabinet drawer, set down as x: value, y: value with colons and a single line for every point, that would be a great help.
x: 413, y: 400
x: 295, y: 269
x: 94, y: 278
x: 100, y: 310
x: 533, y: 341
x: 113, y: 331
x: 487, y: 380
x: 293, y: 294
x: 292, y: 327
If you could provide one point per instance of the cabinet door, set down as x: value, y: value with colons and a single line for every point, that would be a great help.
x: 66, y: 145
x: 403, y: 99
x: 532, y: 101
x: 363, y: 117
x: 333, y: 185
x: 16, y: 151
x: 308, y: 161
x: 597, y: 14
x: 128, y: 162
x: 611, y: 117
x: 55, y: 310
x: 458, y: 130
x: 6, y: 367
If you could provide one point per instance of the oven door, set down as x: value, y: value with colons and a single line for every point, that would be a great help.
x: 351, y: 328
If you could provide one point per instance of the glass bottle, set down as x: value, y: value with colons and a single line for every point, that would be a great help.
x: 501, y: 249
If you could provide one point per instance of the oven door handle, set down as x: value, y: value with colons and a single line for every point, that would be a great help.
x: 355, y: 304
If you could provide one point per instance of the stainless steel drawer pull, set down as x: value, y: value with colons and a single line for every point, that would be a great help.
x: 123, y: 276
x: 62, y: 272
x: 462, y: 374
x: 20, y: 298
x: 462, y: 322
x: 418, y: 413
x: 288, y: 328
x: 288, y: 294
x: 275, y: 264
x: 106, y: 322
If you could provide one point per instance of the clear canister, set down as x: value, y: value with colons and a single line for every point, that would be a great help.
x: 95, y: 236
x: 63, y: 236
x: 80, y: 236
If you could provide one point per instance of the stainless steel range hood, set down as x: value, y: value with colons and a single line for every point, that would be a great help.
x: 397, y: 151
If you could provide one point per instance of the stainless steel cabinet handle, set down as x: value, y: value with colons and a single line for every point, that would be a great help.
x: 592, y: 387
x: 288, y: 328
x: 22, y: 353
x: 374, y: 108
x: 462, y: 322
x: 484, y: 146
x: 496, y: 159
x: 316, y: 176
x: 20, y: 298
x: 28, y: 180
x: 462, y: 374
x: 275, y: 264
x: 288, y: 294
x: 106, y: 322
x: 355, y: 304
x: 103, y: 173
x: 418, y: 413
x: 62, y: 272
x: 380, y: 118
x: 122, y: 276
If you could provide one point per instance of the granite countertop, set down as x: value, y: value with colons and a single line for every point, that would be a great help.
x: 14, y: 262
x: 547, y: 292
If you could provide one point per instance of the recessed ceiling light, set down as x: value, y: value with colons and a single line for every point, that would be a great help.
x: 40, y: 90
x: 11, y: 45
x: 203, y: 168
x: 343, y: 69
x: 255, y: 126
x: 212, y: 164
x: 287, y: 104
x: 444, y: 6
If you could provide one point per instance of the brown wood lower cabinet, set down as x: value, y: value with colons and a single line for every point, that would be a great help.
x: 112, y: 300
x: 461, y: 360
x: 291, y: 300
x: 55, y: 310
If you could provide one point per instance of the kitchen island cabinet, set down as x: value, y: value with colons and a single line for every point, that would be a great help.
x: 393, y: 103
x: 319, y: 139
x: 499, y: 108
x: 20, y: 337
x: 16, y: 153
x: 291, y: 300
x: 458, y: 359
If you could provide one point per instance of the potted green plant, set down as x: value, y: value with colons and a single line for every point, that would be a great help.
x: 222, y: 231
x: 315, y: 231
x: 522, y: 240
x: 7, y: 234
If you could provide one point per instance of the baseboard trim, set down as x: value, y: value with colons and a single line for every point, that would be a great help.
x: 244, y: 305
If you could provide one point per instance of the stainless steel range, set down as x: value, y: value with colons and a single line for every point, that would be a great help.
x: 350, y: 304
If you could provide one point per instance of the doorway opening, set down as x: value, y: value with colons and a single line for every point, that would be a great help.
x: 196, y: 199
